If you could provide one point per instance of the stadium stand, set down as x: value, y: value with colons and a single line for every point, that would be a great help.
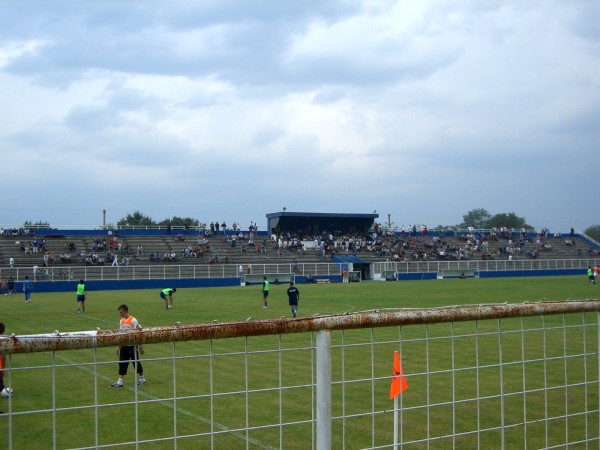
x: 76, y: 249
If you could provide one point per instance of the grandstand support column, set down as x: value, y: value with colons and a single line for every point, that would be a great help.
x: 323, y: 390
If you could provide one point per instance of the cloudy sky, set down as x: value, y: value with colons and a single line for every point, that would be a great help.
x: 228, y: 110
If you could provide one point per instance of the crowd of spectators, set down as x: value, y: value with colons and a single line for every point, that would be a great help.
x: 414, y: 243
x: 215, y: 229
x: 16, y: 232
x: 198, y: 250
x: 489, y: 244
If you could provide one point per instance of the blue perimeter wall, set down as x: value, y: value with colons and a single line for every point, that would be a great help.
x: 114, y: 285
x: 70, y: 286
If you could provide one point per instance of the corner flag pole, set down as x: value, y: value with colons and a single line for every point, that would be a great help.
x: 399, y: 385
x: 396, y: 422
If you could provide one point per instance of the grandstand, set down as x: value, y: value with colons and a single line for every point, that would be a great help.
x: 159, y: 247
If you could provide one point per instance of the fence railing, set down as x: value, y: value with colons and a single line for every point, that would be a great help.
x: 493, y: 376
x: 189, y: 271
x: 160, y: 271
x: 484, y: 265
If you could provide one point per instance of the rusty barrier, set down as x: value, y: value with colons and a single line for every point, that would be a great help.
x: 477, y: 383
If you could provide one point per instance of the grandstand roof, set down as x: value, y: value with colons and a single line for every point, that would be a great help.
x: 315, y: 223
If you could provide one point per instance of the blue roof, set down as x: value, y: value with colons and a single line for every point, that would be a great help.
x: 348, y: 260
x: 322, y: 215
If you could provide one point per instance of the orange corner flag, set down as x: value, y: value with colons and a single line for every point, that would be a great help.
x: 399, y: 384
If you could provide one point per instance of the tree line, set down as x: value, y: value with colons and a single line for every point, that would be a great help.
x: 139, y: 218
x: 482, y: 219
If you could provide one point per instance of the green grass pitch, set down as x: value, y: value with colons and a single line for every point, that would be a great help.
x: 263, y: 364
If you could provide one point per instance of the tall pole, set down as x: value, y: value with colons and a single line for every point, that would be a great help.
x: 396, y: 422
x: 103, y: 218
x: 323, y: 390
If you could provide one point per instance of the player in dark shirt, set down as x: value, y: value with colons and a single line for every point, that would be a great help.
x: 293, y: 298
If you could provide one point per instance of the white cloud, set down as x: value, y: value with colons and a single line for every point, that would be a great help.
x: 425, y: 110
x: 11, y: 51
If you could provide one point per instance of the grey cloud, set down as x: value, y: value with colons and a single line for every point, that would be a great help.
x: 142, y: 37
x: 471, y: 104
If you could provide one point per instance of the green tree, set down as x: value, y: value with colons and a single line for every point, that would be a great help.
x: 476, y: 218
x: 508, y: 220
x: 593, y: 232
x: 137, y: 218
x: 180, y: 222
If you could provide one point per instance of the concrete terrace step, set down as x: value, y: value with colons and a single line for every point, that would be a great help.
x: 218, y: 247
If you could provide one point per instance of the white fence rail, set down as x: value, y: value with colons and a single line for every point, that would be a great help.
x: 494, y: 376
x: 189, y: 271
x: 500, y: 265
x: 161, y: 272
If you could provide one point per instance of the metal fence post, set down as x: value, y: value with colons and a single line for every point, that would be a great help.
x: 323, y: 390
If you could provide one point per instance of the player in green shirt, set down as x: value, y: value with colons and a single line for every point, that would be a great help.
x: 590, y: 273
x: 81, y: 295
x: 167, y: 296
x: 265, y: 292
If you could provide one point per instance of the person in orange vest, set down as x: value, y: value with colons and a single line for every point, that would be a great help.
x: 129, y: 353
x: 5, y: 391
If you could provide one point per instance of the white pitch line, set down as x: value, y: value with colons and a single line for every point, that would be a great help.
x: 200, y: 418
